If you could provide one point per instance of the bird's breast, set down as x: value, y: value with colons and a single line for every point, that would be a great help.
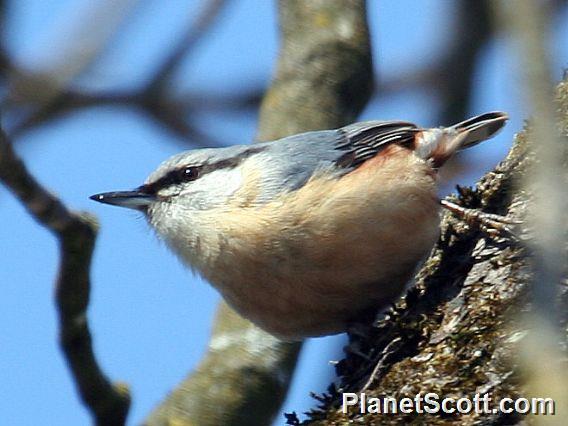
x: 310, y: 261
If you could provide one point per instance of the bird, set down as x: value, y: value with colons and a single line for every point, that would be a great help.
x: 304, y: 235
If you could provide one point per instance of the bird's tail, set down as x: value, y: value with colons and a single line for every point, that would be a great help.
x: 481, y: 127
x: 437, y: 145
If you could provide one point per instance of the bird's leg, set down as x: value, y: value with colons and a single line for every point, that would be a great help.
x: 492, y: 224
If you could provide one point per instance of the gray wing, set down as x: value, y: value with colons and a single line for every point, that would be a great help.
x: 289, y: 163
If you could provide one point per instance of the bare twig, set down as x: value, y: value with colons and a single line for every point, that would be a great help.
x: 186, y: 43
x: 154, y: 97
x: 57, y: 99
x: 78, y: 47
x: 76, y: 233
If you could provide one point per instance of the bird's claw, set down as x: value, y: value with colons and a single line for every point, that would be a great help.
x: 492, y: 224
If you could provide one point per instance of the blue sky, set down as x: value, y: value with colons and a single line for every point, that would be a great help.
x: 149, y: 316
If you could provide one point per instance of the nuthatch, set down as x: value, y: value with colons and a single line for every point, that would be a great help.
x: 304, y: 234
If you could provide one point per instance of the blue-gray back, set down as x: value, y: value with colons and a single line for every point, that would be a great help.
x: 291, y: 161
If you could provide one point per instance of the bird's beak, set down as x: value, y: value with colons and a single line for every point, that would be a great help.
x: 136, y: 199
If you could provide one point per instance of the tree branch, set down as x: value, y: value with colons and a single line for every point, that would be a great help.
x: 50, y: 96
x: 76, y: 232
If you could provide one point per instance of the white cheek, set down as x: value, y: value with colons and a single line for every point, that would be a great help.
x: 216, y: 187
x: 159, y: 217
x: 184, y: 220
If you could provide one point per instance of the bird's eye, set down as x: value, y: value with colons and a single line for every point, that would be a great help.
x: 187, y: 174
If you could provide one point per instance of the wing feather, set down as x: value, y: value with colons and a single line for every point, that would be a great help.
x: 363, y: 141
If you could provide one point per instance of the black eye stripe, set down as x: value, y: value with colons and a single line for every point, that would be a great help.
x: 188, y: 173
x: 176, y: 177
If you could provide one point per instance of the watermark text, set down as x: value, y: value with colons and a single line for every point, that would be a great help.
x: 432, y: 403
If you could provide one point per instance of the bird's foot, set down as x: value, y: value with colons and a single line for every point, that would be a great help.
x: 492, y: 224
